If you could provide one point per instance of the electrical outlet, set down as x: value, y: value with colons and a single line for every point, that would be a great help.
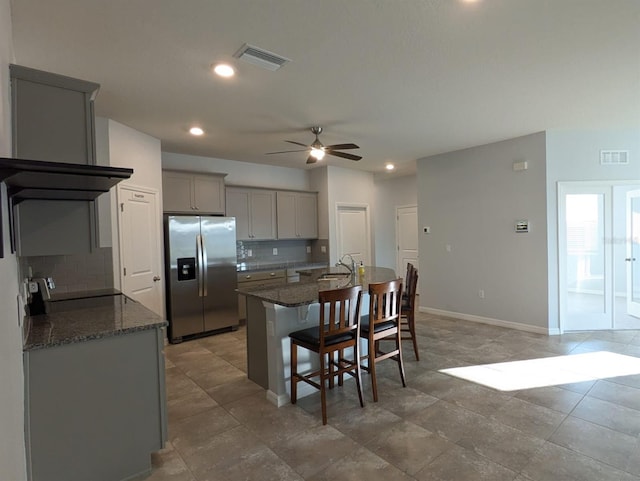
x: 481, y: 293
x: 448, y: 247
x: 323, y: 249
x: 249, y: 253
x: 275, y: 251
x: 33, y: 287
x: 308, y: 249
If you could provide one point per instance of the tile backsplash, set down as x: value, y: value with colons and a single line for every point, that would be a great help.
x: 258, y: 253
x: 73, y: 273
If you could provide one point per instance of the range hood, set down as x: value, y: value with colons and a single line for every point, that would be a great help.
x: 35, y: 179
x: 40, y: 180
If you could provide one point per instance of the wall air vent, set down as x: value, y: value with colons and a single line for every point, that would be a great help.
x: 614, y: 157
x: 260, y: 57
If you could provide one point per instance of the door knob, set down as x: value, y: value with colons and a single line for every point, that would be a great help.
x: 156, y: 278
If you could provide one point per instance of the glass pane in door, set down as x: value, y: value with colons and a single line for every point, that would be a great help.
x: 585, y: 254
x: 635, y: 249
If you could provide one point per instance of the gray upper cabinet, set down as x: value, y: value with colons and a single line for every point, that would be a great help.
x: 53, y: 118
x: 187, y: 192
x: 255, y: 212
x: 297, y: 215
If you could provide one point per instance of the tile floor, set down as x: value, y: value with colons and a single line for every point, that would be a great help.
x: 439, y: 428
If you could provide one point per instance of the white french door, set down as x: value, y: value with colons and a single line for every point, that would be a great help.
x: 599, y: 255
x: 633, y: 253
x: 586, y: 267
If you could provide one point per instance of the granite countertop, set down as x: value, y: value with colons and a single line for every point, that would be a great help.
x: 80, y: 317
x: 306, y: 291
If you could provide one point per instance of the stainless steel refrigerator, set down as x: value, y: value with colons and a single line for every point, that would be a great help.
x: 200, y: 263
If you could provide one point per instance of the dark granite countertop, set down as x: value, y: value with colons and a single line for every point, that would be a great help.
x: 306, y: 291
x: 82, y: 317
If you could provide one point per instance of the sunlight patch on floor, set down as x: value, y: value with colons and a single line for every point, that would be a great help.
x: 548, y: 371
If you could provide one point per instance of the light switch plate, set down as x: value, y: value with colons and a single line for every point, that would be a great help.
x: 275, y: 251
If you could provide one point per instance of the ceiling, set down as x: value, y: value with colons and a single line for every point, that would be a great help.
x: 402, y: 79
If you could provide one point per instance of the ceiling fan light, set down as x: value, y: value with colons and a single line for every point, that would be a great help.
x: 317, y: 153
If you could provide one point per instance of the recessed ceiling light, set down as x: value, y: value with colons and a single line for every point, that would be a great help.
x: 196, y: 131
x: 389, y: 166
x: 224, y: 70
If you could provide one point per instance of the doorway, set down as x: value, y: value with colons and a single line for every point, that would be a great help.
x: 139, y: 231
x: 406, y: 238
x: 353, y: 232
x: 596, y: 250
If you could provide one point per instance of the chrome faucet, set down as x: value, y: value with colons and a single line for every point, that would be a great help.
x: 352, y: 267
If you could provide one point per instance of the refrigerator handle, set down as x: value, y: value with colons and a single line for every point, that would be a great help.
x: 205, y: 267
x: 199, y: 261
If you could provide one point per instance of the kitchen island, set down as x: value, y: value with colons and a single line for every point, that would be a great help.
x: 94, y: 389
x: 274, y: 312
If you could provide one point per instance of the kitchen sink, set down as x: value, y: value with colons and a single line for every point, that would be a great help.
x: 332, y: 276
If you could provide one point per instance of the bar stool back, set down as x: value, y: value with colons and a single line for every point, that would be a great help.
x: 337, y: 330
x: 383, y: 323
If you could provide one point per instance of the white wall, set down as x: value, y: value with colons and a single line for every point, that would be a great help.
x: 575, y: 156
x: 350, y: 187
x: 121, y: 146
x: 12, y: 449
x: 471, y: 199
x: 240, y: 173
x: 319, y: 183
x: 390, y: 194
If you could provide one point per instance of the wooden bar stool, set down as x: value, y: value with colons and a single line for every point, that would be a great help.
x: 340, y: 331
x: 383, y: 323
x: 408, y: 310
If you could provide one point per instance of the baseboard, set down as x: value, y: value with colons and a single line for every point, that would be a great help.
x: 280, y: 400
x: 490, y: 321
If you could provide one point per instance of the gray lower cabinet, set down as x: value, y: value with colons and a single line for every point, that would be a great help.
x: 257, y: 279
x: 95, y: 410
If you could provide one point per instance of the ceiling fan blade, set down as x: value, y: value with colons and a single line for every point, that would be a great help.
x: 311, y: 160
x: 285, y: 151
x: 342, y: 147
x: 344, y: 155
x: 297, y: 143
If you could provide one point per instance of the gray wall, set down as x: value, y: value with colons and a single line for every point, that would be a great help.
x: 575, y: 156
x: 390, y: 194
x: 471, y: 199
x: 12, y: 453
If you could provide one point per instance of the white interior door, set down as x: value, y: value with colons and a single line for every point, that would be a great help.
x: 406, y: 238
x: 633, y: 253
x: 586, y: 266
x: 139, y: 228
x: 353, y: 233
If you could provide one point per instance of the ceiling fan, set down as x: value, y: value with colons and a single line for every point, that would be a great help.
x: 317, y: 150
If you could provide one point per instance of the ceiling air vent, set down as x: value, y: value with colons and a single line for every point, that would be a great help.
x: 614, y: 157
x: 260, y: 57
